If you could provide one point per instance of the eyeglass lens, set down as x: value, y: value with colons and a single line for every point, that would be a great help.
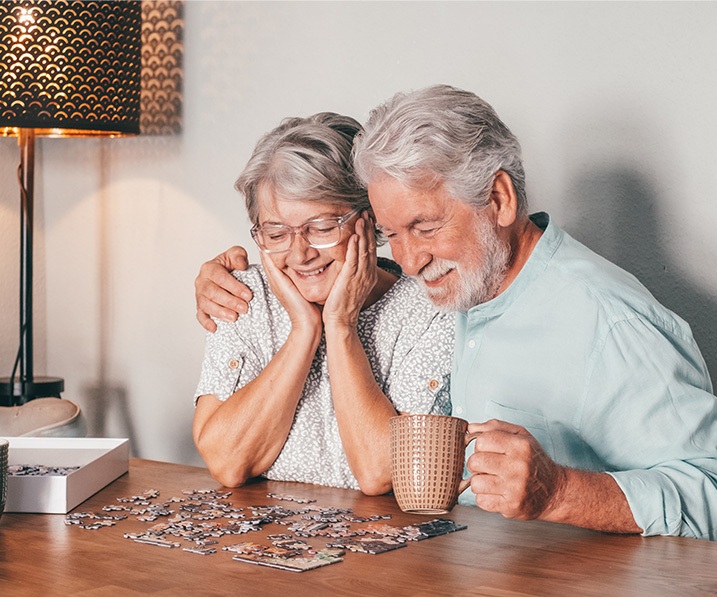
x: 319, y: 234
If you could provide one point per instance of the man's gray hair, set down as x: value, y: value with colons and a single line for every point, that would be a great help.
x: 307, y: 159
x: 440, y: 134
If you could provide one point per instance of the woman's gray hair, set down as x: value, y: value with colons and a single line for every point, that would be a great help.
x: 440, y: 134
x: 307, y: 159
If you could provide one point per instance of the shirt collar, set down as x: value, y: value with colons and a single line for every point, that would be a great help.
x: 539, y: 259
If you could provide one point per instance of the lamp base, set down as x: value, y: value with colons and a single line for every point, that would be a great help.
x: 16, y: 393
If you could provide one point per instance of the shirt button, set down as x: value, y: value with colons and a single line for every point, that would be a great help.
x: 472, y: 344
x: 459, y: 410
x: 233, y: 364
x: 433, y: 384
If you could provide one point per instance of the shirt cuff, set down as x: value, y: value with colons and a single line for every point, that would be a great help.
x: 653, y: 500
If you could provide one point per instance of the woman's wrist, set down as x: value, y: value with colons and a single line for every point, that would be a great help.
x: 340, y: 319
x: 306, y: 332
x: 339, y: 330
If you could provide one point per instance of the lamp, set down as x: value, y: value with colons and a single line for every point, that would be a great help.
x: 67, y: 69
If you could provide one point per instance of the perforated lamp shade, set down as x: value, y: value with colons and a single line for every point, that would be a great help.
x: 67, y: 69
x: 70, y: 68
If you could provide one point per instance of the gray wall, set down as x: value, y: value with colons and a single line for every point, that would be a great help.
x: 614, y: 104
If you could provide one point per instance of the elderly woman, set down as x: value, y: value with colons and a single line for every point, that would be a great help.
x: 335, y: 341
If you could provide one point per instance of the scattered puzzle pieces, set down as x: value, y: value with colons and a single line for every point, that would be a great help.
x: 203, y: 516
x: 289, y: 498
x: 39, y: 470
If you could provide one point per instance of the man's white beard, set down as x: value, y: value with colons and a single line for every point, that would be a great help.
x: 476, y: 285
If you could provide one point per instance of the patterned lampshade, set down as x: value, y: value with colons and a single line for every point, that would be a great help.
x: 70, y: 68
x: 162, y: 76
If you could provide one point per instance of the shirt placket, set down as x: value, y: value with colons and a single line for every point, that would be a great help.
x: 465, y: 386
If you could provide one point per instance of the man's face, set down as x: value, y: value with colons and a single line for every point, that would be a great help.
x: 451, y: 248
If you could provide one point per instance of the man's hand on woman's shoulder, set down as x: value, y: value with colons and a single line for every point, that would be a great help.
x: 218, y: 293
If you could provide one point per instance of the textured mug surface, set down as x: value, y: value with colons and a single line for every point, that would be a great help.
x: 4, y: 449
x: 427, y: 460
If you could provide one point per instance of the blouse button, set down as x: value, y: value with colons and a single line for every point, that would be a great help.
x: 233, y: 364
x: 433, y: 384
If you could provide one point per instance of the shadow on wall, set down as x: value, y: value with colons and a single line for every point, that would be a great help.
x: 615, y: 214
x: 105, y: 401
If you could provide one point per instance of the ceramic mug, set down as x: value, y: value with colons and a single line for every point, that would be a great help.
x: 4, y: 449
x: 427, y: 461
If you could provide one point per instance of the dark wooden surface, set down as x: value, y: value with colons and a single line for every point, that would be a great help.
x: 40, y: 555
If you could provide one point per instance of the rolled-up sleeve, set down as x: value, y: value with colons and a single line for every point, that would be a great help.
x: 650, y: 415
x: 675, y: 498
x: 229, y: 363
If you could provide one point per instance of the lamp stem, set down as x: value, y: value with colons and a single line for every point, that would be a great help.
x: 26, y: 140
x: 28, y: 387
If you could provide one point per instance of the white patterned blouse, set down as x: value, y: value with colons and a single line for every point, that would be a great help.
x: 409, y: 344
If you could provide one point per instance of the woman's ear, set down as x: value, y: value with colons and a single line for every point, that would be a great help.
x: 504, y: 199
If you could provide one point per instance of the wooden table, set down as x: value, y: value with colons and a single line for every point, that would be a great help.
x: 40, y: 555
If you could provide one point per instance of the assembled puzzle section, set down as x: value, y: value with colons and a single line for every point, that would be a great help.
x: 54, y: 475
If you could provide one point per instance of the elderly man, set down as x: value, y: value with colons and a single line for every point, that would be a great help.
x: 593, y: 400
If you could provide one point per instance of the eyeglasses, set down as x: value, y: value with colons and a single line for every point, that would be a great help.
x: 320, y: 234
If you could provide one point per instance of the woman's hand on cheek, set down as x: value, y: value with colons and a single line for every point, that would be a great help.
x: 302, y: 313
x: 356, y: 280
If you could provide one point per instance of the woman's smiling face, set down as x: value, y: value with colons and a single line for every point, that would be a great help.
x: 313, y: 271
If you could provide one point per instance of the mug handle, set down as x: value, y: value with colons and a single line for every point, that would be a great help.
x: 466, y: 482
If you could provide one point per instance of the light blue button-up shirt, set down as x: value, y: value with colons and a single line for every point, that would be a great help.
x: 579, y: 353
